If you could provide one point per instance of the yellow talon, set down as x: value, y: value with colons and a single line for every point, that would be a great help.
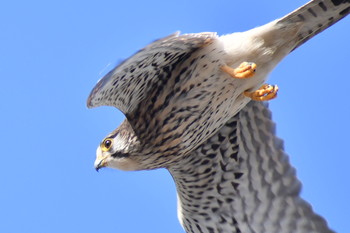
x: 264, y: 93
x: 245, y: 70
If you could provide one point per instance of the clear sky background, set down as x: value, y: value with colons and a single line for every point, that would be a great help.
x: 53, y: 52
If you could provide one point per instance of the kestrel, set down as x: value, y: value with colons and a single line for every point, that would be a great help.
x: 185, y: 98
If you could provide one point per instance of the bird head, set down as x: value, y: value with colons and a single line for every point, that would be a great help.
x: 118, y: 150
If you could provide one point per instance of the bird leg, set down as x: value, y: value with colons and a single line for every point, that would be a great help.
x: 264, y: 93
x: 244, y: 70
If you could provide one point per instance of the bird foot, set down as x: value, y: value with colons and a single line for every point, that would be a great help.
x: 264, y: 93
x: 244, y: 70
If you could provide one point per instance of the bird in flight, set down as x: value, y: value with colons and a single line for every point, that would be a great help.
x: 193, y: 105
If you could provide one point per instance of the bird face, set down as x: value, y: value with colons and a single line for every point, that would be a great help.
x: 115, y: 151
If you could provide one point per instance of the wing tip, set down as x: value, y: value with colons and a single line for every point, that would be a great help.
x: 91, y: 102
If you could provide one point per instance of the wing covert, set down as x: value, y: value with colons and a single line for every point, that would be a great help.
x: 130, y: 82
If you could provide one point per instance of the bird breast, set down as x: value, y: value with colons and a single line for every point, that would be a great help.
x: 193, y: 104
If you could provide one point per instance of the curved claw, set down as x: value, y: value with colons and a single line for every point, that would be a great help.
x: 264, y: 93
x: 244, y: 70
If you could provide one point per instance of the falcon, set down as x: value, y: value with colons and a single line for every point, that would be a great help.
x: 193, y: 105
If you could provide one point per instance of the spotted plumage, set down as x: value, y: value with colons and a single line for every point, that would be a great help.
x: 240, y: 180
x: 183, y: 102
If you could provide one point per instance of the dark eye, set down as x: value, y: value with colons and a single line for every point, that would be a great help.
x: 106, y: 144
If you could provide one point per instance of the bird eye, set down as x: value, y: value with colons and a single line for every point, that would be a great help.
x: 106, y: 144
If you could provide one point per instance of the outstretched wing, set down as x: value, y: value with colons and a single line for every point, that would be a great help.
x: 129, y: 83
x: 240, y: 180
x: 271, y: 180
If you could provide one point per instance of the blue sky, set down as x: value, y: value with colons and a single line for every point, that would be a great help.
x: 53, y: 52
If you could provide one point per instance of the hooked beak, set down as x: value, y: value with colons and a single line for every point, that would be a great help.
x: 100, y: 162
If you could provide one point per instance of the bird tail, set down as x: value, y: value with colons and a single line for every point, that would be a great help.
x: 315, y: 16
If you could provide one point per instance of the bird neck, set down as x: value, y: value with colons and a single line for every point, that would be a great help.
x: 232, y: 184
